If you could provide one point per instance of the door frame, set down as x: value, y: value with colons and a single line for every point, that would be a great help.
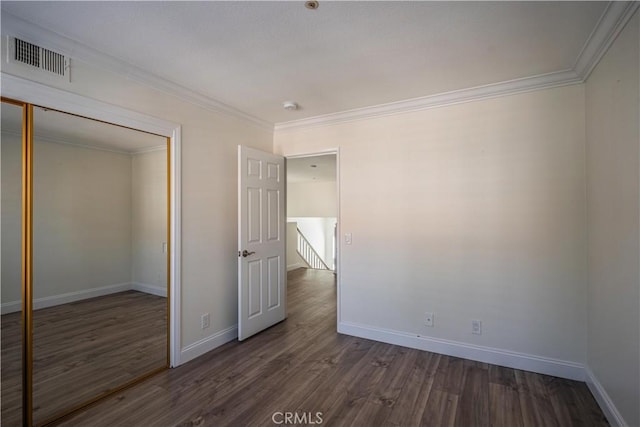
x: 39, y: 94
x: 335, y: 151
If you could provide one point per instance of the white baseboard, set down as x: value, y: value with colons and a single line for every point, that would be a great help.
x: 510, y: 359
x: 604, y: 401
x: 149, y: 289
x: 38, y: 303
x: 296, y: 266
x: 207, y: 344
x: 10, y: 307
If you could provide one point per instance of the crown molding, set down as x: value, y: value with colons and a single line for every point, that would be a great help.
x: 18, y: 27
x: 54, y: 140
x: 611, y: 23
x: 543, y: 81
x: 150, y: 149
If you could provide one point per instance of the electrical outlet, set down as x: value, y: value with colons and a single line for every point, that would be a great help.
x: 428, y: 319
x: 476, y: 327
x: 205, y: 321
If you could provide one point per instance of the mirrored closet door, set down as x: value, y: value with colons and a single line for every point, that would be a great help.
x: 11, y: 321
x: 99, y: 259
x: 85, y: 249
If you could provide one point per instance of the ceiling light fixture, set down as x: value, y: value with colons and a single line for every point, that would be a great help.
x: 313, y: 5
x: 290, y: 105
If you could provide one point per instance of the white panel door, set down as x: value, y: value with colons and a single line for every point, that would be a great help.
x: 261, y: 241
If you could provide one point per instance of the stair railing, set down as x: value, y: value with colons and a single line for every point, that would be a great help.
x: 309, y: 254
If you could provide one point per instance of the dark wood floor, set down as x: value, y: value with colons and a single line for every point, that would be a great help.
x: 302, y: 365
x: 81, y: 350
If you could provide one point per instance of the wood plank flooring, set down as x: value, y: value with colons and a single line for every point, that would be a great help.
x: 303, y: 366
x: 10, y: 369
x: 83, y: 349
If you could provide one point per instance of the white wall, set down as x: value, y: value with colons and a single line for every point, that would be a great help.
x: 613, y: 210
x: 99, y: 223
x: 209, y: 197
x: 149, y: 220
x: 472, y: 211
x: 11, y: 203
x: 312, y: 199
x: 81, y: 219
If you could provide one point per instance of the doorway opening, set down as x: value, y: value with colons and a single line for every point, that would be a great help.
x: 313, y: 220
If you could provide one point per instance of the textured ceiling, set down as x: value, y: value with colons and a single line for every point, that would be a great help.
x: 344, y: 55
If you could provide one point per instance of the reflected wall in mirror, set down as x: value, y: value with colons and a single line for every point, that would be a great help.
x: 99, y: 259
x: 11, y: 256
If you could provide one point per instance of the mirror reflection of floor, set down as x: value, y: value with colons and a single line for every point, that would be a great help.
x: 85, y: 348
x: 11, y: 369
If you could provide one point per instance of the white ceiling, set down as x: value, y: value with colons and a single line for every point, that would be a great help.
x: 316, y: 168
x: 253, y: 56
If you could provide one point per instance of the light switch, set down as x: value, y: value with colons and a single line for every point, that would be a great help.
x: 164, y: 247
x: 347, y: 238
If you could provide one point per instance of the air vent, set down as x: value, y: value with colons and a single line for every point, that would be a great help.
x: 38, y: 57
x: 27, y: 53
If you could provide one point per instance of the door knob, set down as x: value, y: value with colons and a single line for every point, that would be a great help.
x: 246, y: 254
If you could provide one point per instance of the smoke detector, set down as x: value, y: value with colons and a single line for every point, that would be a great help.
x: 290, y: 105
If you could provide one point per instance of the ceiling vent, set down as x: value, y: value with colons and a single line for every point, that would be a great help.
x: 38, y: 58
